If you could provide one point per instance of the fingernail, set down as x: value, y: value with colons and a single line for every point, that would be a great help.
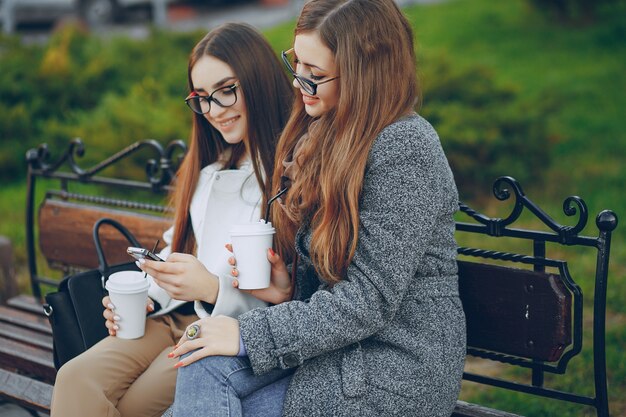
x: 233, y: 272
x: 170, y: 355
x: 111, y: 306
x: 116, y: 327
x: 142, y: 261
x: 272, y: 253
x: 178, y: 365
x: 116, y: 318
x: 151, y: 307
x: 138, y: 264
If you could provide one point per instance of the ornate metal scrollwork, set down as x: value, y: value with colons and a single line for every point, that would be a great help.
x: 38, y: 157
x: 76, y: 148
x: 174, y: 153
x: 505, y: 187
x: 502, y: 193
x: 172, y: 148
x: 159, y: 170
x: 569, y: 208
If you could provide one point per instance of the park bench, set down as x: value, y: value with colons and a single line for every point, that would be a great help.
x: 524, y: 310
x: 523, y: 306
x: 63, y: 202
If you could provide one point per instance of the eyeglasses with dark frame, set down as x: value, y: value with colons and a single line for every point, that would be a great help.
x: 224, y: 97
x: 307, y: 85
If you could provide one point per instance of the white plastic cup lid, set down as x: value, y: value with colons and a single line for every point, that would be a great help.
x: 252, y: 229
x: 127, y: 282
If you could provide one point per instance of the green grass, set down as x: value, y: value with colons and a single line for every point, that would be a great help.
x: 585, y: 66
x: 12, y: 225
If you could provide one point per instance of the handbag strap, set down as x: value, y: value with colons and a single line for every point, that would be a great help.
x: 103, y: 265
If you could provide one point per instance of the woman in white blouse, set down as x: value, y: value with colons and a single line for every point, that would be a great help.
x: 241, y: 99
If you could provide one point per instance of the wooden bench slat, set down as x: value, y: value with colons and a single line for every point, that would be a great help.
x: 26, y: 303
x: 26, y: 336
x: 65, y: 233
x: 27, y: 392
x: 515, y: 311
x: 24, y: 319
x: 27, y: 359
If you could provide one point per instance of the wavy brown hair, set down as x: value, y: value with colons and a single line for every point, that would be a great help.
x: 268, y: 97
x: 372, y: 44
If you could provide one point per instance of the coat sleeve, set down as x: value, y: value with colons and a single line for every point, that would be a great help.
x: 407, y: 187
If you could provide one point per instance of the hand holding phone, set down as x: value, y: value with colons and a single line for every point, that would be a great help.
x: 142, y: 253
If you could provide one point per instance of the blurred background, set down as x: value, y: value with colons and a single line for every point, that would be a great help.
x: 533, y: 89
x: 31, y: 16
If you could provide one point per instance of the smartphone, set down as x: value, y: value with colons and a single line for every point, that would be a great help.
x: 142, y: 253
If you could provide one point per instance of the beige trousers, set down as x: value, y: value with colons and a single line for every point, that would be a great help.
x: 122, y: 378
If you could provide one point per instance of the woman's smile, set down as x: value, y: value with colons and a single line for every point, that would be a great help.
x: 210, y: 74
x: 309, y: 100
x: 227, y: 123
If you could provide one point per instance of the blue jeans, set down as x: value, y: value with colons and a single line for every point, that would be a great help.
x: 224, y: 386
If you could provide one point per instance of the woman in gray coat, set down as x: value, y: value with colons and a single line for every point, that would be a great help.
x: 372, y: 325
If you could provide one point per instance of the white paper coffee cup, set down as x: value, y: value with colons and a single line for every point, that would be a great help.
x: 128, y: 291
x: 251, y: 242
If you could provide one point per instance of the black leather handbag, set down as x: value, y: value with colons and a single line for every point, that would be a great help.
x: 75, y: 310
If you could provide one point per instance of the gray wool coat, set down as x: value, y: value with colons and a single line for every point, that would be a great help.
x: 389, y: 340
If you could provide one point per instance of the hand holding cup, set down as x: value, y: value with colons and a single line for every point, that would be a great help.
x: 280, y: 287
x: 250, y: 243
x: 112, y: 319
x: 128, y: 292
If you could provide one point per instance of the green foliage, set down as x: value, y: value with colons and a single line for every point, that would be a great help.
x: 113, y: 92
x: 144, y: 112
x: 110, y: 93
x: 12, y: 225
x: 485, y: 128
x: 573, y: 11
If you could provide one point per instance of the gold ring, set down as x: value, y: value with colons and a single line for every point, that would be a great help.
x: 192, y: 331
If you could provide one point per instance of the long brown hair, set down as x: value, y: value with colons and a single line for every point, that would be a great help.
x: 268, y: 96
x: 372, y: 44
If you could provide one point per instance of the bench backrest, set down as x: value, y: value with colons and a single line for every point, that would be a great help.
x: 59, y: 224
x: 523, y: 307
x: 516, y: 312
x: 65, y: 233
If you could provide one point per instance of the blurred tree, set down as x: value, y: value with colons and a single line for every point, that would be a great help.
x: 485, y: 128
x: 110, y: 92
x: 113, y: 92
x: 573, y: 11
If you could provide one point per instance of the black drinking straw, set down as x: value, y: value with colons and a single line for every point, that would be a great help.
x: 271, y: 200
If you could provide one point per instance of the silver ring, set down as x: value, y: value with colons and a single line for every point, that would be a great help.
x: 192, y: 331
